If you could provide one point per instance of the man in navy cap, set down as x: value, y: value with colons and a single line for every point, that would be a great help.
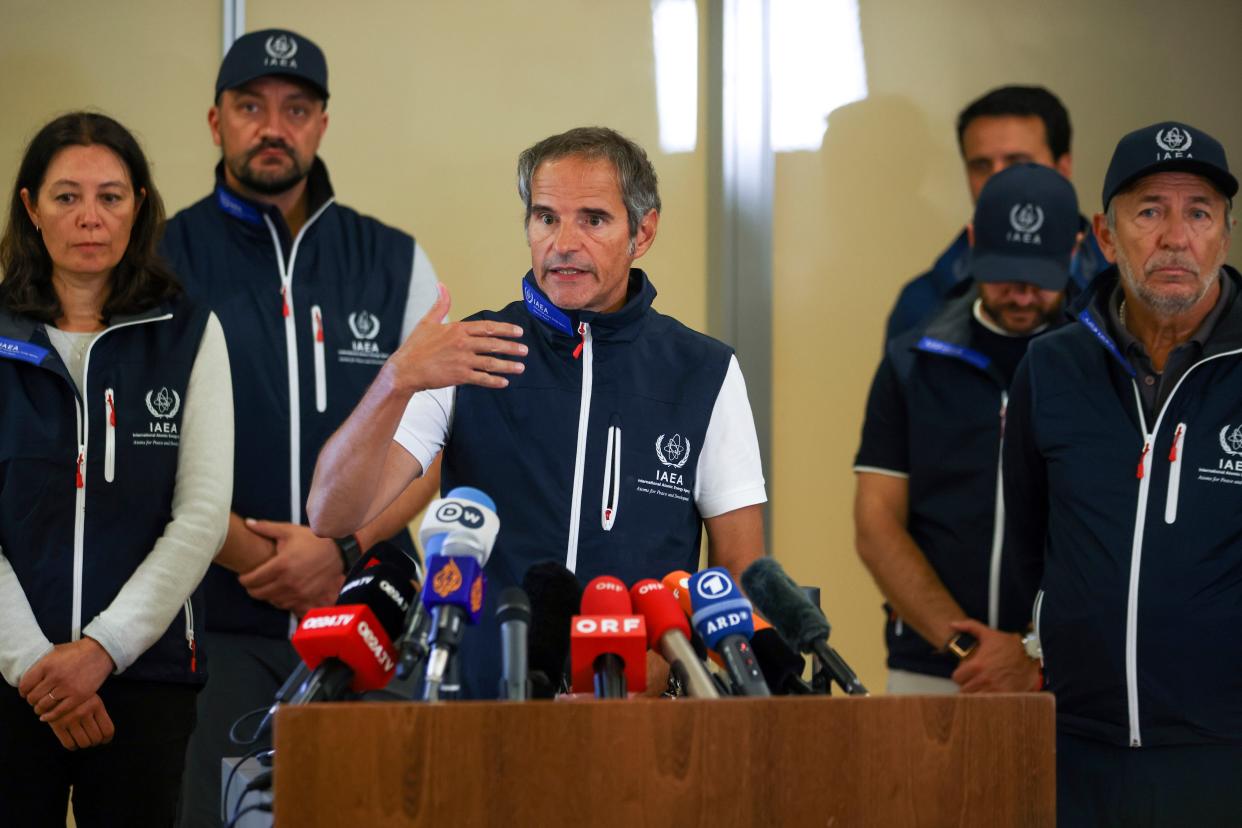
x: 928, y: 514
x: 1006, y: 126
x: 313, y: 298
x: 1123, y: 475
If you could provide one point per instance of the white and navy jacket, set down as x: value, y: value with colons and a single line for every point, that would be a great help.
x: 592, y: 454
x: 309, y: 320
x: 87, y: 479
x: 935, y: 416
x: 1130, y: 528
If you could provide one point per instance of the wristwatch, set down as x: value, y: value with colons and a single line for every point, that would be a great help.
x: 350, y: 551
x: 1030, y: 645
x: 962, y: 645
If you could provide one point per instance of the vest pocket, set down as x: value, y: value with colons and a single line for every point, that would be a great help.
x: 1175, y: 473
x: 109, y: 435
x: 321, y: 380
x: 611, y: 497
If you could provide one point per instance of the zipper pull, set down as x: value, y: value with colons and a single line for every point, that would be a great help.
x: 582, y: 342
x: 1142, y: 457
x: 81, y: 458
x: 111, y: 411
x: 193, y: 653
x: 318, y: 327
x: 284, y: 301
x: 1177, y: 436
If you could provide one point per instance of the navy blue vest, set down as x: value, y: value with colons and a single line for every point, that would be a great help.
x: 654, y: 385
x: 138, y: 368
x: 350, y: 283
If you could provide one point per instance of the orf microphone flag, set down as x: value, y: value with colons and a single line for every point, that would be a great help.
x: 608, y: 643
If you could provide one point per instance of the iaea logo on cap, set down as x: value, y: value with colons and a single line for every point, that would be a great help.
x: 281, y: 47
x: 1175, y: 140
x: 1026, y: 218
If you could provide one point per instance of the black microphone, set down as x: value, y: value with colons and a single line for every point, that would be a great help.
x: 413, y: 641
x: 781, y: 664
x: 513, y: 613
x: 554, y: 593
x: 349, y: 644
x: 792, y: 613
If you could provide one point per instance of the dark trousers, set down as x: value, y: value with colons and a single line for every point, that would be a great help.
x: 1100, y: 785
x: 244, y: 674
x: 134, y: 780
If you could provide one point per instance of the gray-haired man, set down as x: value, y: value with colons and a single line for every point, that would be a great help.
x: 531, y: 403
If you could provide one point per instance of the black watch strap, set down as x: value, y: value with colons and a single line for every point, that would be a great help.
x: 351, y: 551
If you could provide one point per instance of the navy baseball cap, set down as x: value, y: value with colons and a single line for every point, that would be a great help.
x: 1026, y: 226
x: 273, y: 52
x: 1168, y: 147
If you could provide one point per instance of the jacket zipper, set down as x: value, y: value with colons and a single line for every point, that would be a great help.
x: 612, y: 476
x: 584, y: 416
x: 1175, y: 473
x: 1136, y: 550
x: 291, y: 356
x: 109, y: 436
x: 1037, y: 614
x: 321, y: 381
x: 79, y: 510
x: 998, y: 525
x: 189, y: 636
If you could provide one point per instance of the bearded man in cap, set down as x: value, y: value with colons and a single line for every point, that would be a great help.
x: 1124, y: 484
x: 313, y: 297
x: 928, y: 514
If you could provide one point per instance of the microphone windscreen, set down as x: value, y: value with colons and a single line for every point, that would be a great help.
x: 384, y: 552
x: 386, y: 590
x: 473, y: 495
x: 652, y: 600
x: 677, y: 582
x: 606, y: 595
x: 554, y: 594
x: 513, y: 606
x: 783, y: 603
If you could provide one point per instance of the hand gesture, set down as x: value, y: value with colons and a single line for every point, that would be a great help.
x: 436, y: 355
x: 65, y: 678
x: 87, y: 725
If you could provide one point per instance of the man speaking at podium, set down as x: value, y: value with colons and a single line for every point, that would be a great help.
x: 607, y: 432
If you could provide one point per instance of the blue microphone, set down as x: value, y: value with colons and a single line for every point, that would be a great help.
x: 457, y: 534
x: 723, y: 617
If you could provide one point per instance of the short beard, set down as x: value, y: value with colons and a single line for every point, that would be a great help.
x: 1045, y: 318
x: 1161, y: 304
x: 266, y: 185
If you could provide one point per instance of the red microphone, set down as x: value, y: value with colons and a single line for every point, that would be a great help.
x: 668, y: 631
x: 350, y: 634
x: 608, y: 643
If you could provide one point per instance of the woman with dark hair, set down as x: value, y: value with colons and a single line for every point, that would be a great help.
x: 116, y: 449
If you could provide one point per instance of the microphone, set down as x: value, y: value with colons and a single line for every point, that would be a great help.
x: 608, y: 642
x: 414, y: 646
x: 781, y: 664
x: 800, y: 621
x: 723, y: 616
x: 554, y: 594
x: 348, y: 646
x: 514, y: 617
x: 669, y: 632
x: 457, y: 533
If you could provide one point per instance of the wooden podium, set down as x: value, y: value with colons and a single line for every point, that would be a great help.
x: 884, y: 761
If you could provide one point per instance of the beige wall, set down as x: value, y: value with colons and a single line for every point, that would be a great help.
x: 432, y: 101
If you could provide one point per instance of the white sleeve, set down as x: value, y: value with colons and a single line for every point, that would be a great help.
x: 426, y: 423
x: 730, y: 474
x: 160, y: 586
x: 22, y: 641
x: 422, y: 294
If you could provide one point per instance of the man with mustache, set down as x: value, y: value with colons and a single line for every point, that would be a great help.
x: 1123, y: 475
x: 608, y: 433
x: 313, y: 297
x: 927, y: 512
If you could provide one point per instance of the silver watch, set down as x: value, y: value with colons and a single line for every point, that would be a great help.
x: 1030, y: 644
